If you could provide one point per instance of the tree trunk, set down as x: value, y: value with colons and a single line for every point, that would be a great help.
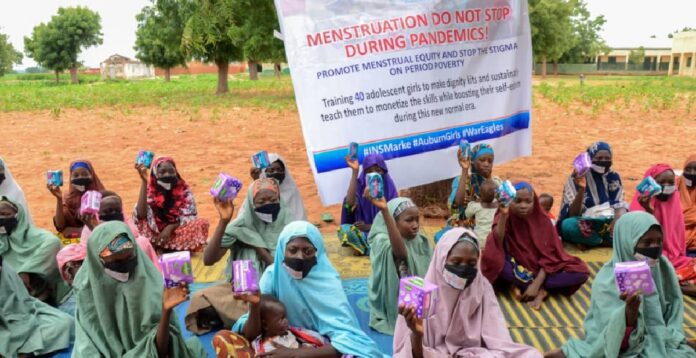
x: 543, y: 67
x: 555, y: 68
x: 253, y: 70
x: 277, y: 69
x: 167, y: 74
x: 57, y: 77
x: 223, y: 69
x: 73, y: 76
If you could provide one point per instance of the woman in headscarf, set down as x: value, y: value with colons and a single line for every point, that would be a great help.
x: 398, y: 249
x: 686, y: 184
x: 27, y: 325
x: 122, y: 308
x: 10, y: 188
x: 358, y: 212
x: 467, y: 321
x: 29, y: 250
x: 279, y: 171
x: 166, y: 210
x: 67, y: 219
x: 666, y: 207
x: 254, y: 234
x: 619, y: 325
x: 303, y: 278
x: 592, y: 203
x: 524, y: 252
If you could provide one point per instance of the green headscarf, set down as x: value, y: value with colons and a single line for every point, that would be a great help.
x: 248, y: 229
x: 383, y: 283
x: 120, y: 319
x: 29, y: 249
x: 28, y: 325
x: 659, y: 331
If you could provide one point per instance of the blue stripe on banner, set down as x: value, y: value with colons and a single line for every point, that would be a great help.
x: 334, y: 159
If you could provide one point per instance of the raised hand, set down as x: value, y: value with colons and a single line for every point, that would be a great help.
x: 172, y: 297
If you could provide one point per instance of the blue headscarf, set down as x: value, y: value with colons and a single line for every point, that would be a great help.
x: 481, y: 149
x: 596, y: 147
x: 80, y: 164
x: 316, y: 302
x: 524, y: 185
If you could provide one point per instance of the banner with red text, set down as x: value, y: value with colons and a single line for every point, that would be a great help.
x: 408, y: 79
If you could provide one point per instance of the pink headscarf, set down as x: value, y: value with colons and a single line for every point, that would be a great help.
x: 466, y: 323
x: 669, y: 214
x: 72, y: 252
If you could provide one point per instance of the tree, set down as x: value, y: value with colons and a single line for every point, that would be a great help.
x: 586, y: 42
x: 252, y: 31
x: 57, y: 44
x: 206, y: 37
x: 160, y: 29
x: 637, y: 56
x: 551, y: 29
x: 8, y: 55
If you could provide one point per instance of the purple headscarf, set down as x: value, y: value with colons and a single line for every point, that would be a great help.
x: 364, y: 210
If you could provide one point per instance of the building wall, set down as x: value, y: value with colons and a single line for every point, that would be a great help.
x: 138, y: 70
x: 198, y: 68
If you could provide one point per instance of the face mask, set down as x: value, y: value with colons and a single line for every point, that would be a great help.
x: 118, y: 276
x: 667, y: 191
x: 167, y: 182
x: 2, y: 178
x: 7, y: 225
x: 278, y: 176
x: 299, y: 268
x: 81, y: 183
x: 459, y: 277
x: 689, y: 179
x: 651, y: 255
x: 121, y: 270
x: 268, y: 213
x: 112, y: 217
x: 601, y: 167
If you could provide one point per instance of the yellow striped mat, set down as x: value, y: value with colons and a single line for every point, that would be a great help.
x: 561, y: 317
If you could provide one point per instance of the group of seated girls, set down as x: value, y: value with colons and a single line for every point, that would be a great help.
x: 122, y: 308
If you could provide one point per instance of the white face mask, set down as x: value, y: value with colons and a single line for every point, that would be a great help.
x: 2, y: 230
x: 669, y: 189
x: 688, y: 182
x: 454, y: 280
x: 267, y: 218
x: 598, y: 168
x: 165, y: 186
x: 651, y: 262
x: 80, y: 188
x: 118, y: 276
x: 297, y: 275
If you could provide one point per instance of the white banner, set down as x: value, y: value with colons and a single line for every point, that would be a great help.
x: 408, y: 79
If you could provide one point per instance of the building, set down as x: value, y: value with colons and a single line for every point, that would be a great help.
x: 122, y: 67
x: 683, y: 57
x: 656, y: 59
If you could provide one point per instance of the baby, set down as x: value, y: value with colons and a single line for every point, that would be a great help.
x: 546, y: 202
x: 483, y: 211
x: 275, y: 329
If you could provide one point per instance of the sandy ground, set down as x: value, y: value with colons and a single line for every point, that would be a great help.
x: 223, y: 140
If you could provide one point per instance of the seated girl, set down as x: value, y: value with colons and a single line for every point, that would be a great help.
x: 593, y: 202
x: 11, y: 189
x: 621, y: 325
x: 254, y: 234
x: 359, y: 212
x: 399, y: 250
x: 666, y: 207
x: 467, y: 321
x: 166, y: 211
x: 279, y: 171
x: 122, y: 307
x: 29, y: 250
x: 28, y: 327
x: 686, y: 184
x: 303, y: 278
x: 67, y: 219
x: 523, y: 251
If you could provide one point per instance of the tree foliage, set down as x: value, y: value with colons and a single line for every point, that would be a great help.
x: 637, y: 56
x: 8, y: 55
x: 585, y: 39
x: 552, y: 29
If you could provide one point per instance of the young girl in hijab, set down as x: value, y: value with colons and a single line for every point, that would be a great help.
x: 278, y: 170
x: 686, y: 184
x: 399, y: 250
x: 29, y: 250
x: 467, y: 321
x: 666, y: 207
x: 523, y: 251
x: 67, y: 219
x: 27, y: 325
x: 10, y: 188
x: 166, y: 211
x: 122, y: 308
x: 593, y: 202
x: 621, y: 325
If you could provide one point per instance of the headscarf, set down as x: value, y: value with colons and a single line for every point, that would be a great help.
x: 120, y: 319
x: 466, y: 323
x: 364, y: 210
x: 70, y: 253
x: 659, y: 331
x: 72, y: 200
x: 248, y: 229
x: 28, y: 325
x: 318, y: 301
x: 289, y: 191
x: 532, y: 241
x: 29, y: 249
x: 600, y: 189
x: 383, y: 284
x: 11, y: 189
x: 166, y: 205
x: 688, y: 202
x: 475, y: 179
x: 669, y: 214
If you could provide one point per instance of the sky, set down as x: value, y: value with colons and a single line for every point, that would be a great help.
x: 630, y: 23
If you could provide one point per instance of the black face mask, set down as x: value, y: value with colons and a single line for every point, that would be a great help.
x: 126, y: 266
x: 277, y: 176
x: 466, y: 272
x: 663, y: 197
x: 9, y: 224
x: 2, y: 178
x: 651, y: 252
x: 268, y: 212
x: 169, y: 179
x: 691, y: 177
x: 606, y: 164
x: 81, y: 181
x: 112, y: 217
x: 299, y: 266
